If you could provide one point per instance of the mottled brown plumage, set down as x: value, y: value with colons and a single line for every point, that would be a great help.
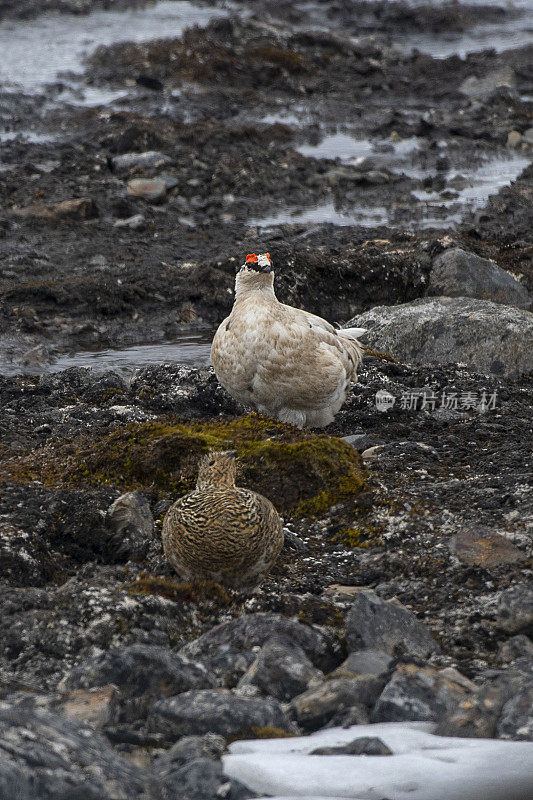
x: 221, y: 532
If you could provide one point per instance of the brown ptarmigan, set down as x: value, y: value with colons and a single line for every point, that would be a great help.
x: 220, y: 532
x: 286, y: 362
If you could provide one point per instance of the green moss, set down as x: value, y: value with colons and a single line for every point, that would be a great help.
x: 303, y: 474
x: 367, y: 536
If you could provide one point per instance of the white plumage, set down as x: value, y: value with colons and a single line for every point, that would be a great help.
x: 286, y: 362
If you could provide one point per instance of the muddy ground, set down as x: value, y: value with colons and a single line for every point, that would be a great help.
x: 444, y: 523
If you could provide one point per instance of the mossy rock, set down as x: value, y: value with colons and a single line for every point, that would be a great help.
x: 302, y: 474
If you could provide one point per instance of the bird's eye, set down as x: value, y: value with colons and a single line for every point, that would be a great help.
x: 212, y: 462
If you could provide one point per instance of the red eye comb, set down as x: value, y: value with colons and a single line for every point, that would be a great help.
x: 267, y: 255
x: 251, y: 258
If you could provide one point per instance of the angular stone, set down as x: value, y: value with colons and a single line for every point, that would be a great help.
x: 80, y: 208
x: 515, y: 647
x: 134, y: 223
x: 190, y: 748
x: 457, y: 273
x: 227, y: 648
x: 143, y: 674
x: 61, y: 758
x: 375, y: 623
x: 418, y: 693
x: 487, y: 337
x: 514, y: 612
x: 483, y: 547
x: 317, y: 706
x: 281, y: 670
x: 147, y: 160
x: 131, y: 525
x: 364, y: 746
x: 516, y: 719
x: 364, y: 662
x: 477, y: 715
x: 221, y: 711
x: 152, y: 189
x: 481, y: 88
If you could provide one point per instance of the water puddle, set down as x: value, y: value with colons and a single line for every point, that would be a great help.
x: 36, y: 51
x: 348, y: 148
x: 192, y: 350
x: 30, y: 137
x: 512, y: 34
x: 508, y: 34
x: 482, y: 182
x: 470, y: 189
x: 373, y: 215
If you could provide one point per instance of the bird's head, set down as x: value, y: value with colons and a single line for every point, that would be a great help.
x: 217, y: 468
x: 255, y: 274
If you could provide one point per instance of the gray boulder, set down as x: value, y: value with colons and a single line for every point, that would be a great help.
x: 514, y: 612
x: 375, y: 623
x: 131, y: 526
x: 143, y: 673
x: 332, y: 701
x: 60, y: 758
x: 222, y: 712
x: 456, y: 273
x: 487, y: 337
x: 516, y: 720
x: 364, y: 662
x: 227, y: 649
x: 418, y: 693
x: 281, y: 670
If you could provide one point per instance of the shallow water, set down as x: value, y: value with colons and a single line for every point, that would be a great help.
x: 432, y: 210
x: 376, y: 215
x: 59, y: 43
x: 190, y: 349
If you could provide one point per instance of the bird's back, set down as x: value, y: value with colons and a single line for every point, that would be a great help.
x: 226, y: 534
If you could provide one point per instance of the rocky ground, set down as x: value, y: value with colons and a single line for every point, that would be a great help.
x: 404, y: 590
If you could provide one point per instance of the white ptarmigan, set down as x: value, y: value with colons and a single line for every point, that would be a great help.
x: 286, y: 362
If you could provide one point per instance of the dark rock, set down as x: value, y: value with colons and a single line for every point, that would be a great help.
x: 227, y: 648
x: 456, y: 273
x: 516, y: 719
x: 190, y: 748
x: 143, y: 673
x: 281, y: 670
x: 96, y: 707
x: 201, y: 779
x: 364, y: 746
x: 220, y: 711
x: 57, y: 757
x: 487, y: 337
x: 318, y: 705
x: 361, y: 441
x: 376, y: 623
x: 132, y: 526
x: 484, y: 547
x: 515, y: 647
x: 514, y: 612
x: 14, y: 784
x: 418, y: 693
x: 477, y: 715
x: 364, y: 662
